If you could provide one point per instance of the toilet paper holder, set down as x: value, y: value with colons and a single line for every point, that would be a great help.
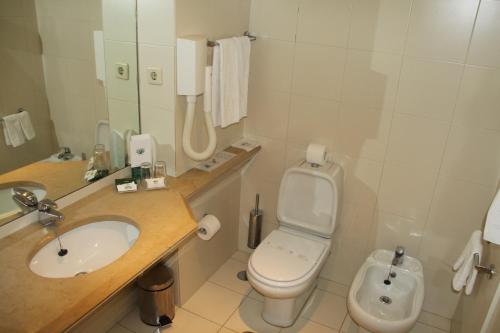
x: 490, y: 270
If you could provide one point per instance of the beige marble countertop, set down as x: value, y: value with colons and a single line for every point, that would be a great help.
x: 30, y: 303
x: 58, y: 179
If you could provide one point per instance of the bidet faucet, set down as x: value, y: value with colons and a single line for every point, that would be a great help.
x: 398, y: 256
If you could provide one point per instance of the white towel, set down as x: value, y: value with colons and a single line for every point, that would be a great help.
x: 26, y: 125
x: 230, y: 72
x: 466, y: 272
x: 12, y: 130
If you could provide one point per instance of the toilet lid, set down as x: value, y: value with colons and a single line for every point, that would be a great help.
x: 286, y: 257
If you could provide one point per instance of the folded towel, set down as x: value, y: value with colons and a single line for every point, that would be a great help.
x: 466, y: 272
x: 13, y: 131
x: 26, y: 125
x: 230, y: 73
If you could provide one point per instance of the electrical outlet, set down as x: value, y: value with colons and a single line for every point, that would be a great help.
x: 155, y: 75
x: 121, y: 70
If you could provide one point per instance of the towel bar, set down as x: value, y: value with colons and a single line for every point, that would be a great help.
x: 18, y: 111
x: 246, y: 33
x: 490, y: 270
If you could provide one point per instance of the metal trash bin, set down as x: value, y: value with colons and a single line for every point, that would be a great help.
x: 156, y: 296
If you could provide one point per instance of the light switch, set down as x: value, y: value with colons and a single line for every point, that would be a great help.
x: 154, y: 75
x: 121, y: 70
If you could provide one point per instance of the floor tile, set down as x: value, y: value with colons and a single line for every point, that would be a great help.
x: 214, y: 302
x: 119, y: 329
x: 241, y: 256
x: 133, y: 322
x: 226, y: 277
x: 349, y: 326
x: 248, y: 318
x: 333, y: 287
x: 226, y: 330
x: 306, y: 326
x: 421, y: 328
x: 186, y: 322
x: 431, y: 319
x: 325, y: 308
x: 256, y: 295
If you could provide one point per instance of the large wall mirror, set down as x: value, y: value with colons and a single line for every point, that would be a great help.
x: 68, y: 94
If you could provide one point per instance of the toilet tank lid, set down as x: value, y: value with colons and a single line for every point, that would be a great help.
x: 318, y: 215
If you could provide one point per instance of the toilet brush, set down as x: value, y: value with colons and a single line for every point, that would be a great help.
x: 255, y: 225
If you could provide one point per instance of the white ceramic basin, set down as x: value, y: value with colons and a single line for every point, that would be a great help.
x: 389, y: 307
x: 7, y: 205
x: 90, y: 247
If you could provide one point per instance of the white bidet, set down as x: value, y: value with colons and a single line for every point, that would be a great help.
x: 383, y: 304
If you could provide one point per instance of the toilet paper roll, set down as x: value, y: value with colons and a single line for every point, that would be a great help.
x: 316, y: 154
x: 208, y: 227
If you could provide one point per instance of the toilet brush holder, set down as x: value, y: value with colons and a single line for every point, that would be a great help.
x: 255, y: 225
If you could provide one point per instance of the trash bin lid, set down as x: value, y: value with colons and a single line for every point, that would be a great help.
x: 157, y: 278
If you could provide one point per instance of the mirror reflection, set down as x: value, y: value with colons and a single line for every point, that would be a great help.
x: 68, y: 95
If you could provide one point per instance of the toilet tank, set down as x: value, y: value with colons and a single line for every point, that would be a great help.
x: 310, y: 198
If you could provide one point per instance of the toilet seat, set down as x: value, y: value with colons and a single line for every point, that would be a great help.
x: 287, y: 261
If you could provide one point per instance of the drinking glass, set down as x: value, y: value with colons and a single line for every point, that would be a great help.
x: 160, y: 169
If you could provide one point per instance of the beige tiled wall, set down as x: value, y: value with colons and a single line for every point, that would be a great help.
x: 76, y: 99
x: 22, y: 82
x: 213, y: 19
x: 405, y: 96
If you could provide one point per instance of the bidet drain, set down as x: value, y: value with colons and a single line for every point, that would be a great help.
x: 385, y: 299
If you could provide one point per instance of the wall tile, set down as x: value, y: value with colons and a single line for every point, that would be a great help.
x: 440, y: 29
x: 117, y: 15
x: 418, y: 141
x: 458, y: 208
x: 313, y: 120
x: 484, y: 47
x: 121, y: 52
x: 371, y: 79
x: 269, y: 163
x: 473, y: 154
x: 380, y: 25
x: 479, y: 98
x: 163, y: 95
x: 156, y: 22
x: 324, y: 22
x: 361, y: 181
x: 389, y: 231
x: 267, y: 113
x: 271, y: 64
x: 318, y: 71
x: 406, y: 190
x: 266, y: 22
x: 364, y: 131
x: 428, y: 88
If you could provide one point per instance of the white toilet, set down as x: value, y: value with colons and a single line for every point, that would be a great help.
x: 286, y: 265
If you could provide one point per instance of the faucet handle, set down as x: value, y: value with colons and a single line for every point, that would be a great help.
x: 46, y: 204
x: 400, y: 250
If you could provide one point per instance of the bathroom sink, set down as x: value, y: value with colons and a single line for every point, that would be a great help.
x: 380, y: 303
x: 8, y: 206
x: 89, y: 247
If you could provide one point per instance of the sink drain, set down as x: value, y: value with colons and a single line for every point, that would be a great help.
x: 80, y: 273
x: 242, y: 275
x: 385, y: 299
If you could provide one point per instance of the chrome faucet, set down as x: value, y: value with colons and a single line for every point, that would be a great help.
x: 398, y: 256
x: 48, y: 213
x: 65, y: 154
x: 46, y: 207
